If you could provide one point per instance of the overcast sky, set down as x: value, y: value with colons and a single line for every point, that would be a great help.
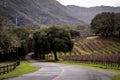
x: 90, y: 3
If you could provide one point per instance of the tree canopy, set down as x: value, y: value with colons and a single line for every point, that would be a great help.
x: 41, y: 44
x: 60, y: 40
x: 105, y: 23
x: 13, y: 41
x: 53, y: 39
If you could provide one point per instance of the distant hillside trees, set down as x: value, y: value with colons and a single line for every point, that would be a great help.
x: 74, y: 33
x: 81, y: 27
x: 106, y: 24
x: 117, y: 23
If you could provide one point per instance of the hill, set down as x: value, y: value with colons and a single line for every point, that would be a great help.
x: 87, y: 14
x: 36, y: 12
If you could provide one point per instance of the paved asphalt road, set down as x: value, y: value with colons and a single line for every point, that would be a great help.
x: 55, y: 71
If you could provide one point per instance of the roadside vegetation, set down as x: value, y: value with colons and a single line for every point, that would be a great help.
x: 92, y: 65
x: 24, y: 68
x: 116, y: 77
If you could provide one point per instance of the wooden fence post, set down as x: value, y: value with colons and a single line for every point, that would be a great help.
x: 0, y: 70
x: 4, y: 70
x: 9, y: 68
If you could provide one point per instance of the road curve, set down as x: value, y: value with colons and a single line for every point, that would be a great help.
x: 55, y: 71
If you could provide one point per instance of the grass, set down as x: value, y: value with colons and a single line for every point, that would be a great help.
x: 92, y: 37
x: 91, y: 65
x: 116, y: 77
x: 24, y: 68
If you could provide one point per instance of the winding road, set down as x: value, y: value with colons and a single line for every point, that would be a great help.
x: 55, y: 71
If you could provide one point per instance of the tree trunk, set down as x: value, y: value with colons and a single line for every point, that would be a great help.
x: 55, y: 56
x: 106, y: 36
x: 43, y: 56
x: 40, y: 56
x: 119, y: 33
x: 111, y: 34
x: 36, y: 54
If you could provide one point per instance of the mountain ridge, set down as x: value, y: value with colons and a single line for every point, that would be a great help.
x: 39, y: 12
x: 87, y: 13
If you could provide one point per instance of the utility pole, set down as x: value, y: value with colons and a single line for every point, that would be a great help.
x: 16, y: 22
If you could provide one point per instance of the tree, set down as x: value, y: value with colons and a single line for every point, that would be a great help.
x: 23, y: 34
x: 74, y: 33
x: 81, y: 27
x: 53, y: 39
x: 9, y: 42
x: 59, y: 39
x: 4, y: 21
x: 117, y: 23
x: 41, y: 43
x: 103, y: 24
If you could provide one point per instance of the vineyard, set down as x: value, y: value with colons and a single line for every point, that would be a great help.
x: 92, y: 45
x: 95, y: 50
x: 95, y: 45
x: 92, y: 49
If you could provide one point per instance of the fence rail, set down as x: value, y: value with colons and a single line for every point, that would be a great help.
x: 108, y: 58
x: 8, y: 68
